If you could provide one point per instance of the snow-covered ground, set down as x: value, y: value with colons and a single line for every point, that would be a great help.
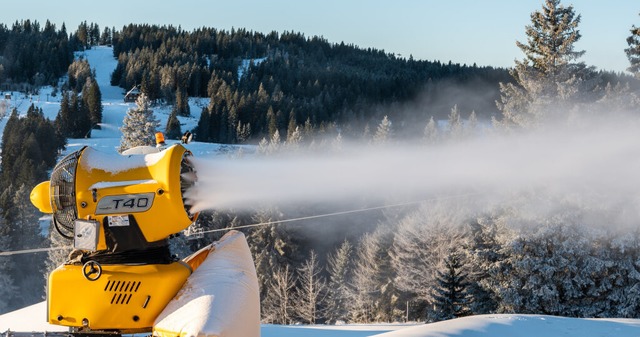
x: 32, y: 319
x: 107, y: 140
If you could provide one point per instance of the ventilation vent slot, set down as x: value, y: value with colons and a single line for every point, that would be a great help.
x: 122, y: 290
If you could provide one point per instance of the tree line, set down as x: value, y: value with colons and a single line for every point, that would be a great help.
x: 258, y: 83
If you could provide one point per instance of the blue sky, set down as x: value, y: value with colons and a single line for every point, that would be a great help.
x: 461, y: 31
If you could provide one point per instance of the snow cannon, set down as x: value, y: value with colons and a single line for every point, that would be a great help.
x: 119, y: 203
x: 120, y: 211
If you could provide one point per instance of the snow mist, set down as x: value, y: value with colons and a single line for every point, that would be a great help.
x: 594, y: 164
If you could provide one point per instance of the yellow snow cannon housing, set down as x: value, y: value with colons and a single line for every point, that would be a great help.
x: 119, y: 210
x: 91, y: 185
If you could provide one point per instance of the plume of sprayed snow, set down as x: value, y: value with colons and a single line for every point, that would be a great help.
x: 597, y: 164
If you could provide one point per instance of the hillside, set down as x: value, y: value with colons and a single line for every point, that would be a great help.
x: 107, y: 138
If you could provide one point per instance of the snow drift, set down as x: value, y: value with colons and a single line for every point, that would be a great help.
x: 220, y: 299
x: 522, y: 326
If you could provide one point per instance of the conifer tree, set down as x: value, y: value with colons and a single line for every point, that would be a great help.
x: 548, y: 78
x: 277, y: 305
x: 173, y: 130
x: 451, y: 299
x: 7, y: 284
x: 63, y: 119
x: 139, y: 125
x: 455, y: 123
x: 92, y: 98
x: 203, y: 130
x: 181, y: 106
x: 633, y: 52
x: 272, y: 123
x: 339, y: 267
x: 431, y: 132
x: 311, y: 293
x: 383, y: 132
x: 374, y: 296
x: 80, y: 126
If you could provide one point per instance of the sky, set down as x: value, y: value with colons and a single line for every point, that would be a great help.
x: 462, y: 31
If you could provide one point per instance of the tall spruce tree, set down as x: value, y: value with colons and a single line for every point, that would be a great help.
x: 383, y: 132
x: 173, y: 130
x: 92, y: 98
x: 181, y: 106
x: 633, y: 52
x: 139, y: 125
x: 339, y: 267
x: 549, y: 78
x: 451, y: 299
x: 311, y: 293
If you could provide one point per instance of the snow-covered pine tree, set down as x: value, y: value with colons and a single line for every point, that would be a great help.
x: 450, y: 296
x: 274, y: 144
x: 617, y: 98
x: 423, y: 239
x: 366, y: 280
x: 548, y: 79
x: 263, y: 146
x: 272, y: 248
x: 339, y: 267
x: 616, y: 291
x: 383, y: 132
x: 486, y: 235
x: 454, y: 123
x: 294, y: 139
x: 139, y: 125
x: 310, y: 294
x: 547, y: 267
x: 374, y: 297
x: 430, y: 134
x: 633, y: 52
x: 277, y: 306
x: 293, y: 124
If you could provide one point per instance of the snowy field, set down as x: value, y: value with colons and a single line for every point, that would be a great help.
x: 27, y: 320
x: 107, y: 140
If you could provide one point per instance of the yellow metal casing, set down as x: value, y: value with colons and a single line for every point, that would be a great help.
x: 40, y: 197
x: 127, y: 298
x: 146, y: 186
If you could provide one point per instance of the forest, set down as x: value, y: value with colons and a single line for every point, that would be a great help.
x: 283, y: 93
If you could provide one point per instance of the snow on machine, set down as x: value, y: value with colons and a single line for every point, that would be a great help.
x: 120, y: 210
